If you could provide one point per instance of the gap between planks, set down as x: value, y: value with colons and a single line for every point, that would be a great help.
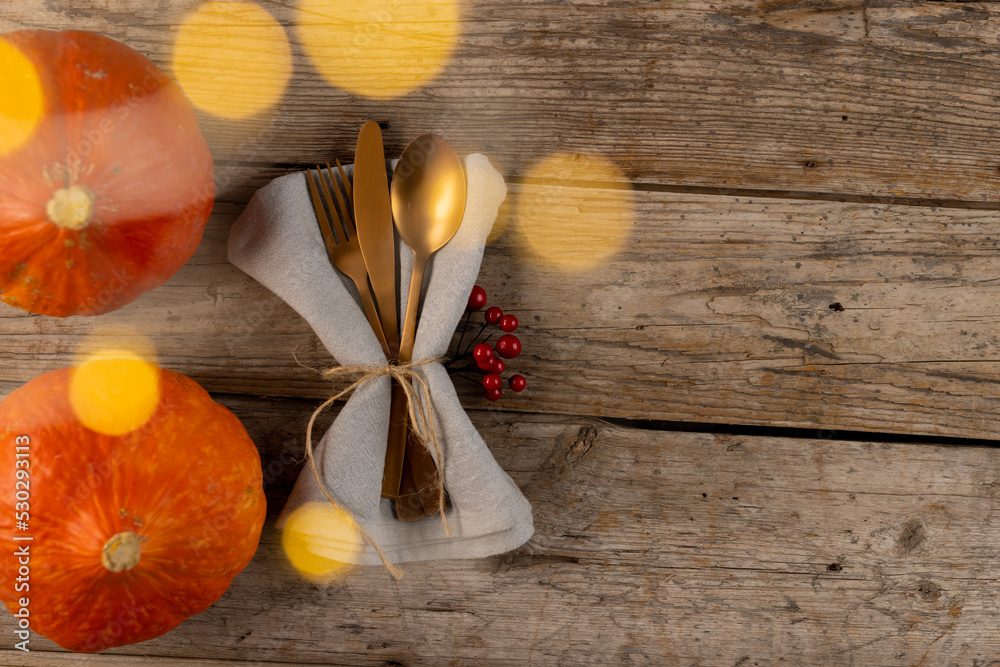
x: 667, y: 426
x: 672, y: 188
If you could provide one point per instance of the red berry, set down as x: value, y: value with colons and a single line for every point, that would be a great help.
x: 493, y: 394
x: 491, y: 381
x: 508, y: 346
x: 477, y: 299
x: 508, y: 323
x: 493, y: 315
x: 497, y: 366
x: 517, y: 383
x: 482, y: 353
x: 486, y: 365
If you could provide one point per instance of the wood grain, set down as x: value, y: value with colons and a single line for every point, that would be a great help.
x: 884, y: 98
x: 717, y: 309
x: 651, y: 548
x: 860, y: 294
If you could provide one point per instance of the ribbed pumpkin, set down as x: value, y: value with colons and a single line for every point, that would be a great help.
x: 107, y: 192
x: 129, y: 534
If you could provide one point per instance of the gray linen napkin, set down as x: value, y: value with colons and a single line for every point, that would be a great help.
x: 278, y: 242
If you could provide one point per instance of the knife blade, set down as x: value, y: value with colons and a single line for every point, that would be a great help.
x: 373, y: 217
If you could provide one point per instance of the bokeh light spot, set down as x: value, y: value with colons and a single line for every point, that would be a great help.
x: 114, y: 392
x: 378, y: 48
x: 321, y: 540
x: 232, y: 59
x: 573, y: 211
x: 21, y: 100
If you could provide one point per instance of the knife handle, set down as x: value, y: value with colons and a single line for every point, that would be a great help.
x: 396, y: 442
x: 408, y: 505
x: 410, y: 476
x: 425, y: 474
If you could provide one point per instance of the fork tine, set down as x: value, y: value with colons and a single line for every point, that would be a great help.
x: 347, y: 183
x: 342, y: 208
x: 324, y: 223
x: 350, y: 195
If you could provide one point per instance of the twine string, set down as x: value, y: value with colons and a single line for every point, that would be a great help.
x: 421, y: 420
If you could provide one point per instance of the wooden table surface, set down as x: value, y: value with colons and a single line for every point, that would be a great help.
x: 762, y: 432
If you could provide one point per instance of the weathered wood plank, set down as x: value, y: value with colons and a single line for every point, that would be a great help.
x: 718, y: 309
x: 53, y: 659
x: 840, y: 96
x: 651, y: 548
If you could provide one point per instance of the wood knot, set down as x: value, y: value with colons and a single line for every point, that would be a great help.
x: 837, y: 306
x: 911, y: 536
x: 928, y: 590
x: 581, y: 444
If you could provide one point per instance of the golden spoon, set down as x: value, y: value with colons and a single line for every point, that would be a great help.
x: 428, y: 203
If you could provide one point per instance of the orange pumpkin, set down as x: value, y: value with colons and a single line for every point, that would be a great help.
x: 105, y: 179
x: 121, y: 537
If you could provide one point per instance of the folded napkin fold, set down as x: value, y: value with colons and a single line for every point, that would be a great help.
x: 277, y: 241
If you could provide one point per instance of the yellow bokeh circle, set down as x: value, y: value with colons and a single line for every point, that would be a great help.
x: 575, y: 211
x: 321, y: 540
x: 114, y: 392
x: 378, y: 48
x: 21, y: 100
x: 232, y: 59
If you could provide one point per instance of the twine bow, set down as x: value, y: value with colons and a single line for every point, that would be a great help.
x: 421, y: 420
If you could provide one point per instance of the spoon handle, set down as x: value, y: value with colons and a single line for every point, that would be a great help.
x: 418, y: 461
x: 412, y: 306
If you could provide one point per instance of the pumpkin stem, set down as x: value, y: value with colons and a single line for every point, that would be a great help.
x: 72, y: 207
x: 121, y: 552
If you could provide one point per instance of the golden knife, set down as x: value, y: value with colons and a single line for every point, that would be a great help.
x: 373, y: 216
x: 376, y: 234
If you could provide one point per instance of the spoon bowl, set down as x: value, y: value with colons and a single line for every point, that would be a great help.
x: 428, y: 203
x: 428, y: 194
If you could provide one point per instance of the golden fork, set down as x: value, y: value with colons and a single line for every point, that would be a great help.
x: 343, y: 248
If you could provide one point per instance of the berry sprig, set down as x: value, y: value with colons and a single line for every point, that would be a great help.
x: 487, y: 358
